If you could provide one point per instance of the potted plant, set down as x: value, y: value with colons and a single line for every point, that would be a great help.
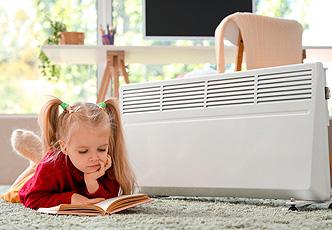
x: 49, y: 70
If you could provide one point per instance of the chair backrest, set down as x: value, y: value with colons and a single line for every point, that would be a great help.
x: 267, y: 41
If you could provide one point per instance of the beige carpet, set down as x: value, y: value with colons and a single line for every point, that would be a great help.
x: 179, y: 213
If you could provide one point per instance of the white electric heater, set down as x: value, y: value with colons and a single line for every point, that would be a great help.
x: 259, y: 133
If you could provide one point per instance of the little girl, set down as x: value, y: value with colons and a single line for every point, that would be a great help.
x: 85, y: 159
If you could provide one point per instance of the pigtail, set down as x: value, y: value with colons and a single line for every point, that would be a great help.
x: 122, y: 170
x: 48, y: 122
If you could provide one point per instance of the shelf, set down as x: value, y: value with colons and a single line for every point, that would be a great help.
x: 88, y: 54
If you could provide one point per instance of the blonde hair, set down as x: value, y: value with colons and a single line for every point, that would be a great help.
x: 56, y: 126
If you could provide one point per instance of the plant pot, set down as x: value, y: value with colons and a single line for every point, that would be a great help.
x: 72, y: 38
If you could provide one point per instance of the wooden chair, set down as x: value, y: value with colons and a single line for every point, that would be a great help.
x: 266, y: 41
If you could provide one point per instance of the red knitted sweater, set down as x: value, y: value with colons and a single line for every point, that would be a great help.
x: 56, y: 180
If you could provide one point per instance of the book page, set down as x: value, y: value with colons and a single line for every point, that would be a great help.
x: 127, y: 205
x: 72, y: 209
x: 124, y: 198
x: 78, y: 207
x: 106, y: 203
x: 52, y: 210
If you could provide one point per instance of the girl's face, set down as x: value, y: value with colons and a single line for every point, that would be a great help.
x: 87, y: 147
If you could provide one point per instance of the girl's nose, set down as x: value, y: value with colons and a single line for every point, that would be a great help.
x: 94, y: 157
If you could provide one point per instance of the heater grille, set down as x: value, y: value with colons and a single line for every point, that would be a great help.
x: 286, y: 86
x: 218, y: 92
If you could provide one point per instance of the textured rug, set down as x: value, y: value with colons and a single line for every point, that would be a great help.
x: 179, y: 213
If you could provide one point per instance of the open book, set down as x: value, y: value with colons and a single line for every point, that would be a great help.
x: 108, y: 206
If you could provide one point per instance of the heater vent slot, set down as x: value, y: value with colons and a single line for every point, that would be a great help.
x: 141, y: 100
x: 230, y: 91
x: 183, y: 96
x: 285, y: 86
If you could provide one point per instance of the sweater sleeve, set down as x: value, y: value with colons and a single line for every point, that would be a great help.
x: 42, y: 190
x: 108, y: 188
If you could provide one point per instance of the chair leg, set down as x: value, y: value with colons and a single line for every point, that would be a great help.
x: 304, y: 54
x: 239, y: 53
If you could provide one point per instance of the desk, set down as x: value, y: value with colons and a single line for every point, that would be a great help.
x: 86, y: 54
x: 115, y: 58
x: 100, y: 54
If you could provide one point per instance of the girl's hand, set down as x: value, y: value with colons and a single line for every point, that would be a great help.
x: 108, y: 162
x: 104, y: 166
x: 82, y: 200
x: 91, y: 178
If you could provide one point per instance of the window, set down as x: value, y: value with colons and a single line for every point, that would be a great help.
x: 23, y: 29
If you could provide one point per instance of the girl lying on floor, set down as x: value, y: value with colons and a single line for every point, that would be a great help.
x: 84, y: 161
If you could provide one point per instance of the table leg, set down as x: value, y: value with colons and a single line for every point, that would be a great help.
x: 116, y: 76
x: 114, y: 65
x: 104, y: 83
x: 123, y: 70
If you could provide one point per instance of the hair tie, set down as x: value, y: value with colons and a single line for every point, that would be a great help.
x: 102, y: 105
x: 64, y: 105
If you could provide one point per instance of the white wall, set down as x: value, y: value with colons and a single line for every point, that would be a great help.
x: 11, y: 165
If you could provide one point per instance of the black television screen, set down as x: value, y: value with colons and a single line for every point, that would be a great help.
x: 188, y: 18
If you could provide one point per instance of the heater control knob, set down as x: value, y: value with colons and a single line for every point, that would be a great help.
x: 327, y: 93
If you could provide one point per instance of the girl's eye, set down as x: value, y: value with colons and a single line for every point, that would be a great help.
x: 82, y: 151
x: 101, y: 150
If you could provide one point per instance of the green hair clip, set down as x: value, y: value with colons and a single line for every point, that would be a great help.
x: 64, y: 105
x: 102, y: 105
